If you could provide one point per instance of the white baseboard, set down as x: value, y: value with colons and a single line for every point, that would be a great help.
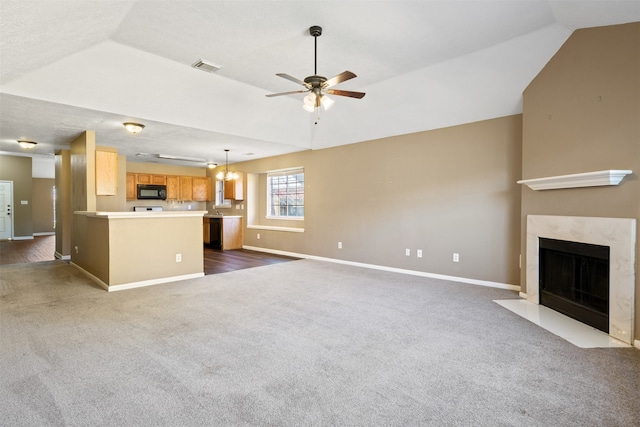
x: 22, y: 238
x: 139, y: 284
x: 522, y: 295
x: 45, y: 233
x: 636, y: 344
x: 58, y: 255
x: 392, y: 269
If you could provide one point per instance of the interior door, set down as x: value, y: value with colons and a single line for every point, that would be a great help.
x: 6, y: 209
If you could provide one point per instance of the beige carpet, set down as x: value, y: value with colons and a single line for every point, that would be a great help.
x: 298, y: 343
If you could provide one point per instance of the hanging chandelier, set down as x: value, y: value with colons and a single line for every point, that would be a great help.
x: 226, y: 175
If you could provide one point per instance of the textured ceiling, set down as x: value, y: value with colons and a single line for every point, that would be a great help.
x: 70, y: 66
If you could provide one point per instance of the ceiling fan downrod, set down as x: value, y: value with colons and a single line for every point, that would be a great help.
x: 316, y: 32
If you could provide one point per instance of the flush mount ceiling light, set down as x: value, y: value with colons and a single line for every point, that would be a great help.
x: 211, y: 165
x: 134, y: 128
x: 226, y: 175
x: 181, y: 158
x: 205, y: 65
x: 318, y: 86
x: 27, y: 145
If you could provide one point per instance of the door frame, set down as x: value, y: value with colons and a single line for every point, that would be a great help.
x: 11, y: 225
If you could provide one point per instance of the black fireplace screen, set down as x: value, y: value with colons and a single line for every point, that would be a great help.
x: 574, y: 280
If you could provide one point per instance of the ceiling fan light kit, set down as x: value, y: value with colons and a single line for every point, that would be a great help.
x: 317, y: 87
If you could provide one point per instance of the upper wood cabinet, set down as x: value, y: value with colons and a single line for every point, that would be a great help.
x: 173, y: 187
x: 201, y: 189
x: 186, y: 188
x: 106, y: 173
x: 183, y: 188
x: 131, y: 186
x: 234, y: 190
x: 147, y: 178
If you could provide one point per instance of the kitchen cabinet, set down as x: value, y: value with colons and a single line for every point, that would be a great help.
x: 173, y: 187
x: 106, y: 172
x: 201, y: 189
x: 147, y: 178
x: 225, y: 232
x: 131, y: 186
x: 185, y: 188
x: 234, y: 189
x: 206, y: 230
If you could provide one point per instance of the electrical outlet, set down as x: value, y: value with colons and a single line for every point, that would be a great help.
x: 456, y: 257
x: 339, y: 245
x: 258, y: 236
x: 419, y: 253
x: 76, y: 249
x: 178, y: 257
x: 407, y: 252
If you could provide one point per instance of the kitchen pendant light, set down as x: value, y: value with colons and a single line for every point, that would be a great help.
x: 226, y: 175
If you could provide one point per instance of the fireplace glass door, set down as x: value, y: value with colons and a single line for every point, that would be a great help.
x: 574, y: 280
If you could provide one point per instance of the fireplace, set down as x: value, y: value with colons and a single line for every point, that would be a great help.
x: 618, y: 234
x: 574, y: 280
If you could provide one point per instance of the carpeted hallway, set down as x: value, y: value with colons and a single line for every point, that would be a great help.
x: 297, y: 343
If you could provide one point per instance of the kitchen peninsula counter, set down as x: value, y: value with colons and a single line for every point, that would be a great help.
x: 122, y: 250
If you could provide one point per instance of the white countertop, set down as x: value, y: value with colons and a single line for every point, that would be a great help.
x: 146, y: 214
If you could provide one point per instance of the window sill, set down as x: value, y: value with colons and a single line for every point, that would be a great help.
x: 275, y: 228
x: 285, y: 218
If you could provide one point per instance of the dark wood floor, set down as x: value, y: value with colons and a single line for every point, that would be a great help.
x: 42, y: 248
x: 217, y: 261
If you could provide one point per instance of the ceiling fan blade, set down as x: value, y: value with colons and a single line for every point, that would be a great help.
x: 342, y: 77
x: 286, y: 93
x: 348, y: 93
x: 293, y: 79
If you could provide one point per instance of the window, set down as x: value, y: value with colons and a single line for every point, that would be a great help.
x: 221, y: 202
x: 285, y: 194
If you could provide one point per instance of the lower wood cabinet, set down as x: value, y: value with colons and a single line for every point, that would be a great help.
x: 224, y: 232
x: 206, y: 230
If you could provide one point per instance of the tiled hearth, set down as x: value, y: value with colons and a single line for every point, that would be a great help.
x: 617, y: 233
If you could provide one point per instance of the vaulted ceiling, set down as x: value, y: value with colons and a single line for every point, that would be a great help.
x: 70, y: 66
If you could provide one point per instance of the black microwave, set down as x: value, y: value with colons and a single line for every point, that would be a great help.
x: 152, y: 192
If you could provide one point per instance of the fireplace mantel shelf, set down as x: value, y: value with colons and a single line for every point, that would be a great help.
x: 588, y: 179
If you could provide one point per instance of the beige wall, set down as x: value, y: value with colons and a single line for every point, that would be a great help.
x: 18, y: 169
x: 64, y: 211
x: 582, y: 114
x: 443, y: 191
x: 145, y: 249
x: 164, y: 169
x: 43, y: 205
x: 83, y: 179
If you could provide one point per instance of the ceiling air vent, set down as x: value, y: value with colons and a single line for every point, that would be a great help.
x: 207, y: 66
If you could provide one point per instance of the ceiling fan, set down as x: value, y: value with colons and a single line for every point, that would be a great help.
x: 318, y: 86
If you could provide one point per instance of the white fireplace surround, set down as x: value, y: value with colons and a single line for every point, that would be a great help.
x: 617, y: 233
